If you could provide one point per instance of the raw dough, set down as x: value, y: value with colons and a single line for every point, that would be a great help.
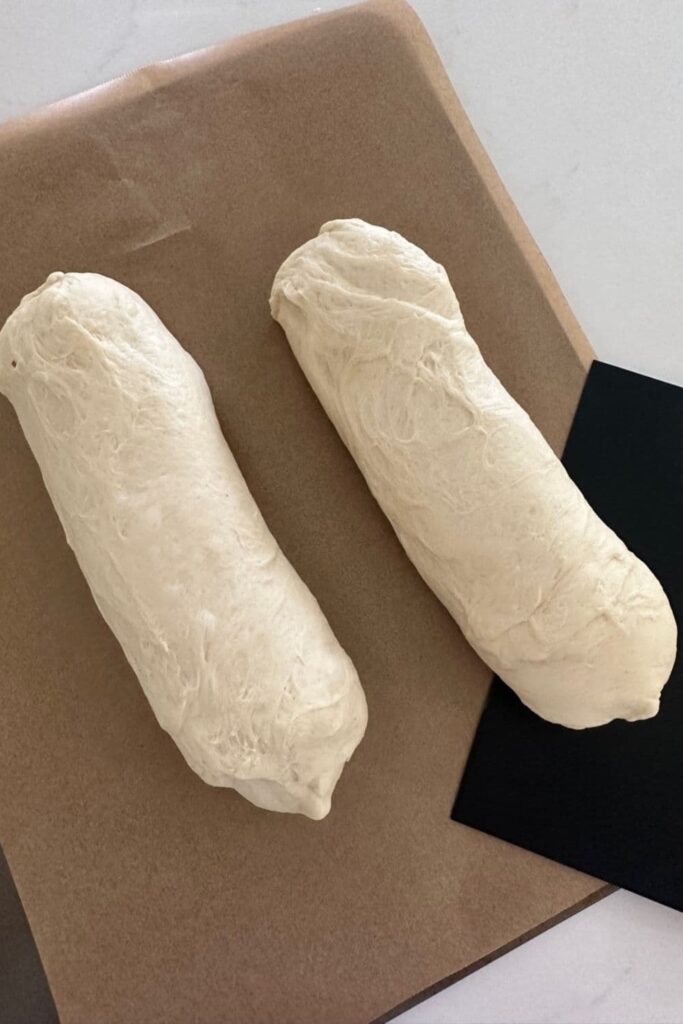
x: 547, y: 595
x: 231, y: 649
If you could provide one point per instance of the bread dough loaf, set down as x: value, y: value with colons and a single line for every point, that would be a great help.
x: 231, y: 649
x: 547, y: 595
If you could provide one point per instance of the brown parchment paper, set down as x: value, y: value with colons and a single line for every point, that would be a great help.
x: 153, y: 897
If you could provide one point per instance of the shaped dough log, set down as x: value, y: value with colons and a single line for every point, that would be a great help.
x: 547, y: 595
x: 232, y: 651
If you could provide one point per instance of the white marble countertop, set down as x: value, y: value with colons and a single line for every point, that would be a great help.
x: 580, y: 105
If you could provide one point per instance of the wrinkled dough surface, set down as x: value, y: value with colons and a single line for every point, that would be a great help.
x: 231, y: 649
x: 544, y: 591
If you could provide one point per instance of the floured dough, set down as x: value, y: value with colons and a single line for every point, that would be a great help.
x: 231, y: 649
x: 546, y: 593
